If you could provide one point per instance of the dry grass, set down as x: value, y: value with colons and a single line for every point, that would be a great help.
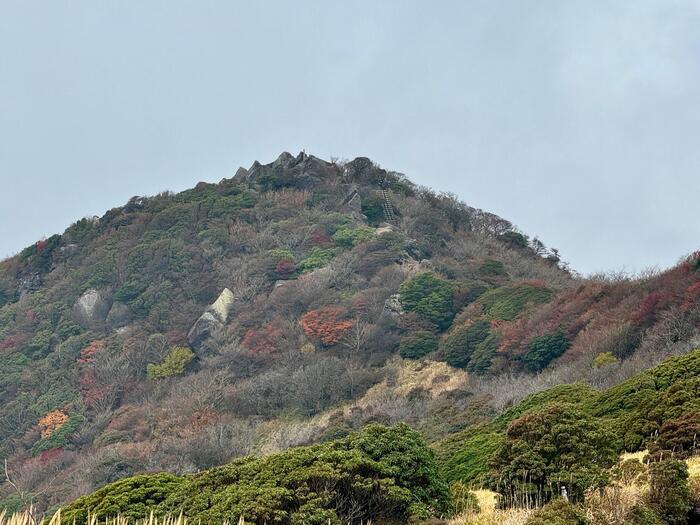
x: 694, y: 467
x: 28, y: 517
x: 488, y: 513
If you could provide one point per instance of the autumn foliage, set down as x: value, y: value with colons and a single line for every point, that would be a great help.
x: 326, y: 324
x: 51, y: 422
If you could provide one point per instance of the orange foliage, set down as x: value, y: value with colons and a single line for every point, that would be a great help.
x: 87, y: 354
x: 326, y: 324
x: 51, y: 422
x: 265, y: 340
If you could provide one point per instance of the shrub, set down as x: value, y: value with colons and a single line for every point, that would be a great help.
x: 680, y: 435
x: 349, y: 237
x: 492, y: 268
x: 463, y: 499
x: 285, y: 268
x: 317, y: 258
x: 132, y: 498
x: 386, y: 475
x: 326, y: 324
x: 558, y: 512
x: 429, y: 296
x: 547, y: 449
x: 605, y: 359
x: 417, y: 345
x: 542, y: 350
x: 174, y: 364
x: 462, y: 341
x: 60, y: 436
x: 506, y: 302
x: 668, y: 491
x: 483, y: 354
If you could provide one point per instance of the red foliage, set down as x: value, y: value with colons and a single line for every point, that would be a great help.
x: 30, y: 315
x: 51, y: 455
x: 92, y: 390
x: 285, y: 268
x: 320, y: 238
x: 651, y: 304
x: 265, y: 340
x: 176, y: 338
x: 691, y: 296
x: 326, y: 324
x: 88, y: 354
x: 41, y: 244
x: 10, y: 342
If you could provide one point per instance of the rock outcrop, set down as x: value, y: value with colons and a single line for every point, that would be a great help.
x: 92, y: 308
x: 213, y: 319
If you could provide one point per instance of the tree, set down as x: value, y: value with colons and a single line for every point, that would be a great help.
x: 550, y: 448
x: 462, y: 341
x: 417, y: 345
x: 542, y: 350
x: 326, y: 324
x: 429, y: 296
x: 668, y: 491
x: 174, y: 364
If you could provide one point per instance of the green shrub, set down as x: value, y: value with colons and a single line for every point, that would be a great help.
x: 12, y: 503
x: 317, y: 258
x: 605, y: 359
x: 483, y: 354
x: 506, y: 302
x: 542, y: 350
x: 429, y: 296
x: 641, y: 515
x: 133, y: 498
x: 545, y: 450
x: 668, y: 491
x: 59, y: 438
x: 417, y: 345
x: 174, y: 364
x: 492, y: 268
x: 348, y: 237
x: 558, y: 512
x: 462, y: 341
x: 280, y: 254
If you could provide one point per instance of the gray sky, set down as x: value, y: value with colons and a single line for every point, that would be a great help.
x: 576, y: 120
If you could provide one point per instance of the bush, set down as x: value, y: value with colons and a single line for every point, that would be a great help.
x: 417, y: 345
x: 605, y: 359
x: 317, y: 258
x: 59, y: 437
x: 558, y: 512
x: 429, y: 296
x: 547, y: 449
x: 326, y: 324
x: 461, y: 342
x: 506, y: 302
x: 542, y: 350
x: 680, y: 435
x: 349, y: 237
x: 132, y: 498
x: 174, y: 364
x: 668, y: 491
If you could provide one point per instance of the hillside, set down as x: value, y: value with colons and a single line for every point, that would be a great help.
x: 294, y: 304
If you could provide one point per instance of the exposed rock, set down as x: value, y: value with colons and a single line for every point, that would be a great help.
x: 302, y: 171
x: 393, y: 306
x: 353, y: 202
x: 119, y: 315
x: 241, y: 174
x: 213, y: 319
x: 91, y: 309
x: 383, y: 228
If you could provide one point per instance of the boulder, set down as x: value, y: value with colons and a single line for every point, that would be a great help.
x: 119, y: 315
x: 393, y: 306
x: 91, y: 308
x: 212, y: 320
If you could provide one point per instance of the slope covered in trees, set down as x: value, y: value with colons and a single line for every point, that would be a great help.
x: 279, y: 308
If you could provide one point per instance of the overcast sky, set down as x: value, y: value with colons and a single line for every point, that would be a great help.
x: 578, y: 120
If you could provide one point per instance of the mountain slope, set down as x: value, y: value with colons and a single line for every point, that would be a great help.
x: 294, y: 303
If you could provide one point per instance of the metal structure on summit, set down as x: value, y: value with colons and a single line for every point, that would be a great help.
x: 388, y: 208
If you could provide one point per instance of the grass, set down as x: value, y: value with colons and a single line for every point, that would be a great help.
x: 488, y: 513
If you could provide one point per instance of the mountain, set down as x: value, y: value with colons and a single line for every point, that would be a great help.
x: 294, y: 304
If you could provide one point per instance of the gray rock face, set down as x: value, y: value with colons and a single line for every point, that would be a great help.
x: 91, y: 309
x: 393, y: 307
x: 353, y: 201
x: 119, y: 315
x: 213, y: 319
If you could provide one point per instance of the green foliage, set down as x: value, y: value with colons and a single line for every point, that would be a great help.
x: 59, y: 438
x: 463, y: 499
x: 429, y: 296
x: 382, y: 474
x: 492, y: 268
x: 605, y: 359
x: 668, y: 491
x: 465, y: 456
x: 641, y: 515
x: 558, y: 512
x: 133, y: 498
x: 174, y: 364
x: 507, y: 302
x: 482, y: 355
x: 461, y: 342
x: 317, y: 258
x: 555, y: 447
x: 281, y: 254
x: 348, y: 237
x: 373, y: 208
x: 542, y: 350
x: 417, y: 345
